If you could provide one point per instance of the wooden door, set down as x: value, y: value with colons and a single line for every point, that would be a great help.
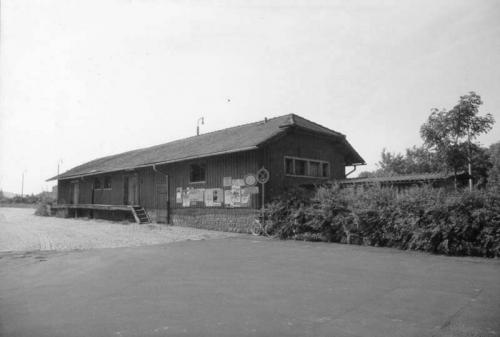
x: 130, y: 190
x: 162, y: 203
x: 76, y: 193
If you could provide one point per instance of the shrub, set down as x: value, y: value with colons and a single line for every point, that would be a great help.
x: 43, y: 208
x: 422, y: 218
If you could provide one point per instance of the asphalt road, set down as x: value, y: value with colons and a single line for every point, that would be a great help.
x: 244, y: 287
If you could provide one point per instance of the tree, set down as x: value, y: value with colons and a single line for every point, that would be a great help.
x: 391, y: 163
x: 451, y: 134
x: 494, y: 170
x: 481, y: 164
x: 415, y: 160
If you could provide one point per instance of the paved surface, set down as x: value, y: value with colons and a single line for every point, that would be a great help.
x: 245, y: 287
x: 21, y: 230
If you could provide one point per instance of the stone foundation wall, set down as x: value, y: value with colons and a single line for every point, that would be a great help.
x: 93, y: 214
x: 239, y: 220
x: 60, y: 212
x: 225, y: 220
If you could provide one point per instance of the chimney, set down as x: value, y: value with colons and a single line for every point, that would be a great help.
x: 265, y: 119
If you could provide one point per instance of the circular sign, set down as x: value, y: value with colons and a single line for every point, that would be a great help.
x: 250, y: 180
x: 262, y: 176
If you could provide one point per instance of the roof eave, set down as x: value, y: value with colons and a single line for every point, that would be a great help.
x: 62, y: 177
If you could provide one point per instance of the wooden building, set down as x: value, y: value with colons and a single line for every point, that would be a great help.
x: 208, y: 180
x: 402, y: 182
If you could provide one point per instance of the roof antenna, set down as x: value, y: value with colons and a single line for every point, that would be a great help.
x: 198, y: 125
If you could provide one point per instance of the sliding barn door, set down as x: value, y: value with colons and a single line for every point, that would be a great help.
x: 161, y: 198
x: 130, y: 190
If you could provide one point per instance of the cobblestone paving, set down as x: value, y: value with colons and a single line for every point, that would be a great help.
x: 21, y: 230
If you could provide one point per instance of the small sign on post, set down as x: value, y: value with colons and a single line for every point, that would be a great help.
x: 262, y: 178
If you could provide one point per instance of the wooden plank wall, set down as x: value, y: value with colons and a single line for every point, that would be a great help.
x: 148, y: 179
x: 64, y: 192
x: 231, y: 165
x: 237, y: 165
x: 305, y: 145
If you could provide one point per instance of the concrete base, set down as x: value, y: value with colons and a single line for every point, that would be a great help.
x: 226, y: 220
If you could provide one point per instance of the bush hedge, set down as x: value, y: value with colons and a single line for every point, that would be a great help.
x: 422, y: 218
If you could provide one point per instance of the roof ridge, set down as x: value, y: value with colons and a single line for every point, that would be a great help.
x: 151, y: 147
x: 317, y: 124
x: 201, y: 135
x: 243, y: 136
x: 229, y: 128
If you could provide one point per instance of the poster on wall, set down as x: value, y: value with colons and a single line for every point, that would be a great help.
x: 178, y: 195
x: 238, y: 182
x: 226, y: 181
x: 245, y: 197
x: 196, y: 196
x: 235, y: 196
x: 251, y: 189
x: 228, y: 198
x: 185, y: 197
x: 213, y: 197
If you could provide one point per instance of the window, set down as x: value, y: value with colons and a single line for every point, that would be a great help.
x: 197, y: 173
x: 306, y: 167
x: 300, y: 167
x: 314, y: 169
x: 97, y: 183
x: 107, y: 182
x: 288, y: 165
x: 326, y: 170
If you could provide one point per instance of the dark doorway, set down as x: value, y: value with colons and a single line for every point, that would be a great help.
x: 75, y: 193
x: 162, y: 203
x: 130, y: 190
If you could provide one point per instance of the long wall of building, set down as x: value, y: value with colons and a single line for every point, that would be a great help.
x: 215, y: 195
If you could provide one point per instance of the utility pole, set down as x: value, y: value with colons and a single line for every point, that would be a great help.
x: 58, y: 164
x: 469, y: 159
x: 198, y: 125
x: 22, y: 184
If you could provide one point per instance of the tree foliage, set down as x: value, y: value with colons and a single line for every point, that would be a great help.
x: 494, y: 169
x: 449, y: 144
x: 414, y: 160
x: 451, y: 133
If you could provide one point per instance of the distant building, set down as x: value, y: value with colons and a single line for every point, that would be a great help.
x: 207, y: 180
x: 439, y: 179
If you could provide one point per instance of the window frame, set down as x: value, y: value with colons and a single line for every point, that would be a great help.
x: 104, y: 183
x: 202, y: 164
x: 321, y: 163
x: 98, y: 179
x: 327, y: 175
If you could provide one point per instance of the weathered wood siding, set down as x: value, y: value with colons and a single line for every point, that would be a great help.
x: 231, y: 165
x: 64, y: 192
x: 304, y: 145
x: 106, y: 196
x: 294, y: 143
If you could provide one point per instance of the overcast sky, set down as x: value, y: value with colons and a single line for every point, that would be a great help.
x: 84, y: 79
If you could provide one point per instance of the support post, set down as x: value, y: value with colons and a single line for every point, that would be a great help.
x: 263, y: 202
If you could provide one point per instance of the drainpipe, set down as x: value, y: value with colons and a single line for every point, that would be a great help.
x: 354, y: 169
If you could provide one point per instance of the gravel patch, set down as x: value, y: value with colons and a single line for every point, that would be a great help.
x: 21, y: 230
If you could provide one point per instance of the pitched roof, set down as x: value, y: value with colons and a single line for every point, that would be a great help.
x: 235, y: 139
